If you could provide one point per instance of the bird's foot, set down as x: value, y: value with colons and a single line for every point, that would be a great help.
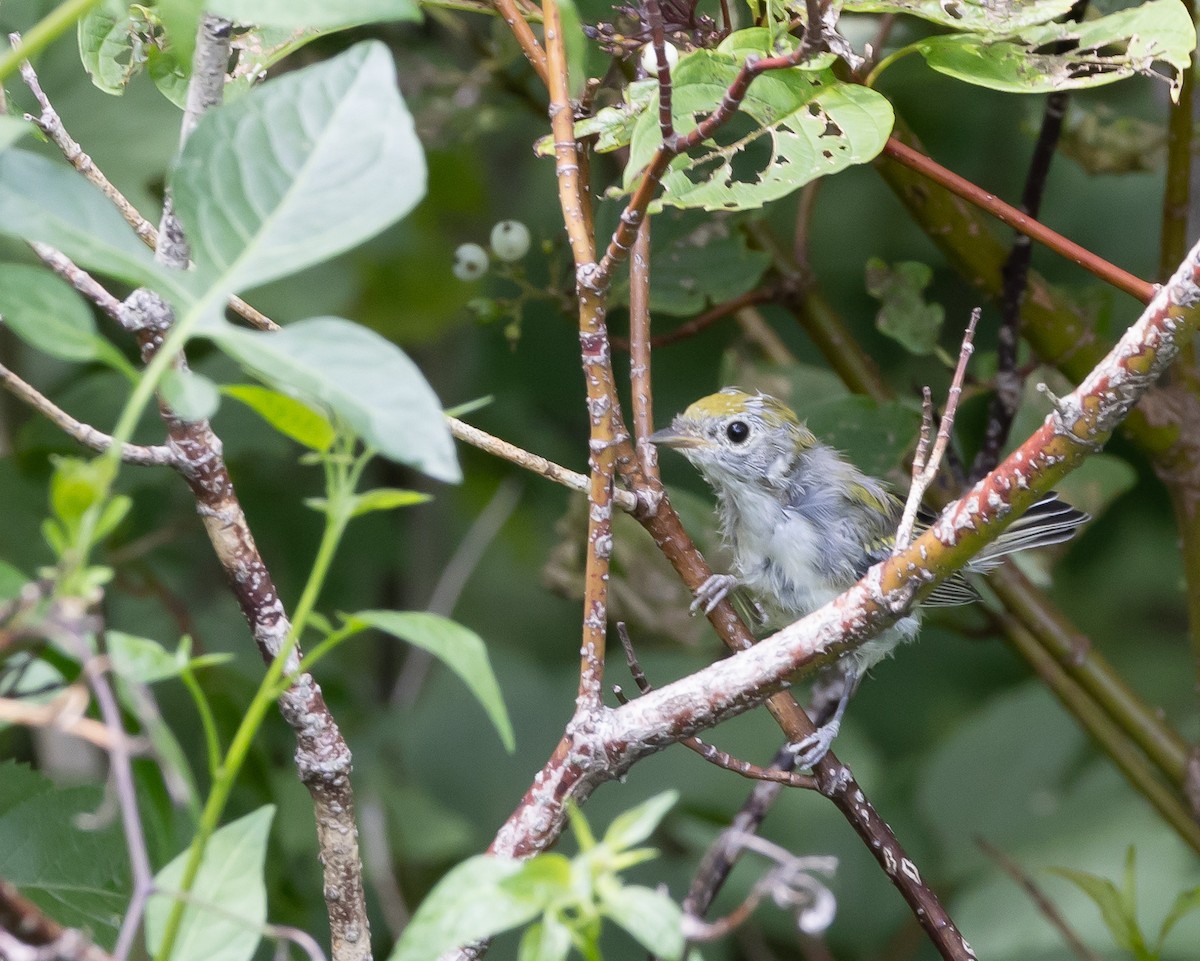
x: 813, y: 748
x: 712, y: 592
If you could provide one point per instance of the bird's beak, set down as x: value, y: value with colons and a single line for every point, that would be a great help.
x: 673, y: 436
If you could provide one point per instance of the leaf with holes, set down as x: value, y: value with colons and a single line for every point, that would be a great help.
x: 1098, y: 52
x: 793, y: 127
x: 979, y: 16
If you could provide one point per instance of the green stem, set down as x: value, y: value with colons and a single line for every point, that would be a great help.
x: 43, y: 33
x: 887, y: 61
x: 208, y: 723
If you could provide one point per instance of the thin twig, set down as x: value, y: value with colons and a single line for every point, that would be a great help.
x: 1110, y: 273
x: 1047, y: 908
x: 64, y: 713
x: 666, y: 124
x: 779, y: 775
x: 79, y: 278
x: 694, y: 326
x: 525, y: 38
x: 641, y: 393
x: 153, y: 456
x: 539, y: 465
x: 924, y: 469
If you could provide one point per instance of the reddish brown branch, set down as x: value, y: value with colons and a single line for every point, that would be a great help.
x: 1110, y: 273
x: 525, y: 38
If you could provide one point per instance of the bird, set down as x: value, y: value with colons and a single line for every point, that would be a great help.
x: 803, y: 524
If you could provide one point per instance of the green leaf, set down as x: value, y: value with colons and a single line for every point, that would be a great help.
x: 366, y: 380
x: 12, y: 129
x: 458, y: 647
x: 140, y: 659
x: 308, y: 165
x: 652, y: 918
x: 905, y: 316
x: 109, y: 45
x: 698, y: 259
x: 548, y: 940
x: 47, y: 313
x: 543, y: 880
x: 114, y: 511
x: 1185, y: 903
x: 291, y: 417
x: 634, y: 826
x: 79, y: 877
x: 76, y: 485
x: 192, y: 397
x: 469, y: 903
x: 980, y: 16
x: 386, y: 499
x: 315, y: 13
x: 42, y: 200
x: 1101, y: 51
x: 611, y: 126
x: 228, y: 903
x: 575, y: 46
x: 792, y: 128
x: 1113, y: 908
x: 875, y: 436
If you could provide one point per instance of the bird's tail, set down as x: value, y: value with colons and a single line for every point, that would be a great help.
x: 1049, y: 521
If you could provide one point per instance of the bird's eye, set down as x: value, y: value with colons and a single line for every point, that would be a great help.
x: 737, y: 431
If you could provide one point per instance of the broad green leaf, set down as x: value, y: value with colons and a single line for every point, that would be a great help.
x: 366, y: 380
x: 792, y: 128
x: 980, y: 16
x: 611, y: 126
x: 140, y: 659
x: 469, y: 903
x: 458, y: 647
x: 386, y: 499
x: 11, y: 581
x: 315, y: 13
x: 542, y: 880
x: 904, y: 315
x: 1100, y: 51
x: 12, y: 129
x: 634, y: 826
x: 47, y: 201
x: 308, y: 165
x: 228, y: 903
x: 291, y: 417
x: 79, y: 877
x: 652, y: 918
x: 109, y: 45
x: 191, y: 396
x: 875, y: 436
x: 47, y: 313
x: 548, y: 940
x: 698, y: 260
x: 1113, y: 909
x: 763, y: 41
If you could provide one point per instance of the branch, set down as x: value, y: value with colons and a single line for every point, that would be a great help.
x: 528, y: 42
x: 29, y: 934
x: 1081, y: 422
x: 960, y: 186
x: 925, y: 464
x: 156, y: 456
x: 641, y: 392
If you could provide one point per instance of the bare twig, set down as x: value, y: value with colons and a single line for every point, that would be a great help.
x: 154, y: 456
x: 1110, y: 273
x: 925, y: 470
x: 525, y: 38
x: 666, y: 125
x: 80, y: 279
x: 780, y: 775
x: 1047, y: 908
x: 532, y: 462
x: 641, y: 393
x: 64, y: 713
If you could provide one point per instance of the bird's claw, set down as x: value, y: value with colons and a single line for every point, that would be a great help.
x: 813, y: 748
x: 712, y: 592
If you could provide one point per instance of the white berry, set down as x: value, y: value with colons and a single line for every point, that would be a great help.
x: 470, y: 262
x: 650, y: 59
x: 510, y: 240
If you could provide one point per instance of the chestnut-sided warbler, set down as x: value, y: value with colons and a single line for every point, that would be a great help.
x: 804, y: 524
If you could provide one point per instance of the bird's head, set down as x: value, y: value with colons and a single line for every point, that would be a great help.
x: 735, y: 438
